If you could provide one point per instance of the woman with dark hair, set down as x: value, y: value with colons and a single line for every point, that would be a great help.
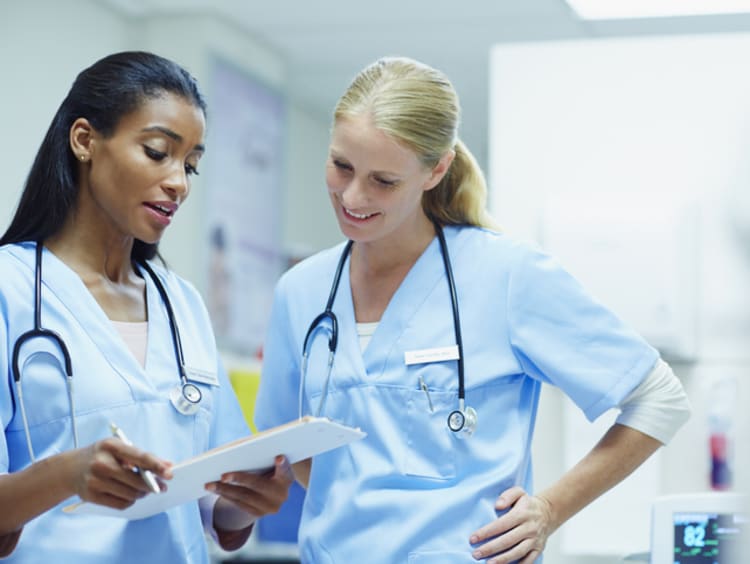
x: 93, y: 333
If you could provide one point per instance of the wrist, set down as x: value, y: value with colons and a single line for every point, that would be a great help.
x: 552, y: 515
x: 63, y: 472
x: 229, y: 517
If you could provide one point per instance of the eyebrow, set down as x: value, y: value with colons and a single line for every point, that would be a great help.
x: 173, y: 135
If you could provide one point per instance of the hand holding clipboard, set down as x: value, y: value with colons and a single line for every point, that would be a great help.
x: 297, y: 440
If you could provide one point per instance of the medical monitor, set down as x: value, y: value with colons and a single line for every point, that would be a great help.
x: 699, y: 528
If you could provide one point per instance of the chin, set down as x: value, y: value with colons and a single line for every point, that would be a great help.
x: 150, y: 239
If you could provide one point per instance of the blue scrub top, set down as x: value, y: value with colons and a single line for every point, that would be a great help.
x: 412, y: 483
x: 109, y: 385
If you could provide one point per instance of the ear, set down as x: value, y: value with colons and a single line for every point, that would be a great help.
x: 440, y: 169
x: 82, y: 139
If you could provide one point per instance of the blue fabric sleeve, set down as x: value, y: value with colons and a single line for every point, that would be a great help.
x: 278, y: 396
x: 564, y: 337
x: 6, y: 389
x: 228, y: 420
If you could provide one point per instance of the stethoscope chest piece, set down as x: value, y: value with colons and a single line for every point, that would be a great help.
x: 463, y: 422
x: 186, y: 398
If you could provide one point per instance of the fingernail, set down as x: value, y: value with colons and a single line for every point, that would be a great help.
x: 211, y: 487
x: 477, y: 554
x: 474, y: 539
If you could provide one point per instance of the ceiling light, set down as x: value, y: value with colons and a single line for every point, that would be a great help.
x: 620, y: 9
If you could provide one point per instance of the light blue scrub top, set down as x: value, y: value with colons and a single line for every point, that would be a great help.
x: 411, y: 488
x: 109, y: 385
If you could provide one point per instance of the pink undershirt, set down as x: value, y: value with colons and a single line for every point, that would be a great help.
x: 135, y: 335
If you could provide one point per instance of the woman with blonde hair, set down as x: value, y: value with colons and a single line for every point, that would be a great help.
x: 433, y: 332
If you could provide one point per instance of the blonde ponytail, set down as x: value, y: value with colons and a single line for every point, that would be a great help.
x: 461, y: 196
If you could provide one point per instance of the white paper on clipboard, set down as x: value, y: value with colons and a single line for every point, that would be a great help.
x: 297, y: 440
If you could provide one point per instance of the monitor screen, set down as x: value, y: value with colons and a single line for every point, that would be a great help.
x: 707, y: 537
x: 699, y: 528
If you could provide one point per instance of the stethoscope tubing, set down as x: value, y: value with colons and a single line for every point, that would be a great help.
x: 176, y: 340
x: 190, y: 395
x: 456, y: 318
x: 462, y: 412
x: 39, y: 331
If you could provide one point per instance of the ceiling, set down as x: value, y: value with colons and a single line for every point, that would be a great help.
x: 325, y: 42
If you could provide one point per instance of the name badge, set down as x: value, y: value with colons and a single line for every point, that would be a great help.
x: 438, y: 354
x: 203, y: 376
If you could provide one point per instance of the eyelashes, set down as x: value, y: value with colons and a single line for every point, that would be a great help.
x: 159, y: 156
x: 347, y: 168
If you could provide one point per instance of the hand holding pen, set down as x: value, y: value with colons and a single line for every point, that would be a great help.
x: 147, y: 475
x: 111, y: 472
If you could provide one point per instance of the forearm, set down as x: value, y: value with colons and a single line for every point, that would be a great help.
x: 28, y: 493
x: 232, y: 525
x: 615, y: 457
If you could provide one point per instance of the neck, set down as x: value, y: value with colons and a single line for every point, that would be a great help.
x: 93, y: 257
x: 394, y: 254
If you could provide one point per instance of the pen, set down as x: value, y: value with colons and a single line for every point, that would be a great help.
x: 147, y: 475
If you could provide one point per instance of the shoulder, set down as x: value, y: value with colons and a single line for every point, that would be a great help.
x: 182, y: 293
x: 17, y: 266
x: 490, y: 247
x: 15, y: 255
x: 172, y: 281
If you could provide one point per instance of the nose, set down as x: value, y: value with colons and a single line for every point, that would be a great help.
x: 354, y: 194
x: 177, y: 184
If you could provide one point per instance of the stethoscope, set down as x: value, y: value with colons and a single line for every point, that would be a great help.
x: 462, y: 421
x: 185, y: 397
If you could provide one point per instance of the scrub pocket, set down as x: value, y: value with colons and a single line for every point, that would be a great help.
x: 429, y: 449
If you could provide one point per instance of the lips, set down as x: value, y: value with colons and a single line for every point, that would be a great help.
x: 167, y: 209
x: 355, y: 215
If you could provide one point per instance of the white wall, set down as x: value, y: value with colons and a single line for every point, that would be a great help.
x: 43, y: 46
x: 651, y: 124
x: 311, y: 224
x: 45, y: 43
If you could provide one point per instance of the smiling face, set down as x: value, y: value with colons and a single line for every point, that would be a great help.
x: 375, y: 184
x: 133, y: 181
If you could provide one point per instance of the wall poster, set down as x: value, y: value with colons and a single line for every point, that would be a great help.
x: 245, y: 141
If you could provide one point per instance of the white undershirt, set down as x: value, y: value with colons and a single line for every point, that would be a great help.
x: 365, y: 332
x: 135, y: 335
x: 658, y: 406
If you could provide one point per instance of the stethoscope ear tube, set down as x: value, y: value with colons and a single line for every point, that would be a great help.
x: 39, y: 331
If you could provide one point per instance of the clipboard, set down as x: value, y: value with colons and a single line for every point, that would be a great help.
x: 296, y: 440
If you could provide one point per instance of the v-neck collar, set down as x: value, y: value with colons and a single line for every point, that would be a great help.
x: 63, y: 282
x: 409, y: 297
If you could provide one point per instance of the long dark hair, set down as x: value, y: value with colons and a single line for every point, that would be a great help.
x: 103, y: 93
